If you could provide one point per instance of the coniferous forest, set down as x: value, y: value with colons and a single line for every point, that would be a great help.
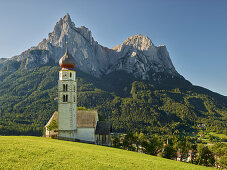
x: 28, y: 98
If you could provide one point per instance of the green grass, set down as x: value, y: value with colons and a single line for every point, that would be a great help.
x: 222, y: 136
x: 20, y: 152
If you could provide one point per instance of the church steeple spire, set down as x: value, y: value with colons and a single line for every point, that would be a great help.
x: 67, y: 61
x: 67, y: 48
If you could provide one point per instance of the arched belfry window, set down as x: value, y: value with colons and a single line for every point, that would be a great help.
x: 70, y: 74
x: 65, y: 87
x: 65, y: 98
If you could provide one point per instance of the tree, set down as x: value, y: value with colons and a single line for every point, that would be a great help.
x: 220, y: 151
x: 194, y: 151
x: 223, y: 162
x: 128, y: 142
x: 169, y: 152
x: 139, y: 138
x: 53, y: 125
x: 182, y: 145
x: 205, y: 156
x: 152, y: 146
x: 116, y: 142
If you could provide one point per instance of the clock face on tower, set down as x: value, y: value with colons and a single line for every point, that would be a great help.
x: 64, y: 75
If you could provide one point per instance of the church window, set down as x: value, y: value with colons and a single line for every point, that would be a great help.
x: 65, y: 87
x: 74, y: 98
x: 70, y: 75
x: 66, y: 98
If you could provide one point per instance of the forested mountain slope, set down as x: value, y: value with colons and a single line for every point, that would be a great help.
x: 28, y: 98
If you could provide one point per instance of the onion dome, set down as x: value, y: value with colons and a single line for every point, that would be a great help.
x: 67, y: 61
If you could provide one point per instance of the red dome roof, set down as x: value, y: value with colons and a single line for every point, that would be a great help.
x: 67, y: 61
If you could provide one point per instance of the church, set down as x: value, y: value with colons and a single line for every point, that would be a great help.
x: 74, y: 124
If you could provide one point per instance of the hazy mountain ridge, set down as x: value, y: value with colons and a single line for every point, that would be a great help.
x: 136, y: 55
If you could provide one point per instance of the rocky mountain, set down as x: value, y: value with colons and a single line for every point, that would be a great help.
x: 137, y: 55
x: 110, y: 81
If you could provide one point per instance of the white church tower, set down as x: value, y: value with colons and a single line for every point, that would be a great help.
x: 67, y: 98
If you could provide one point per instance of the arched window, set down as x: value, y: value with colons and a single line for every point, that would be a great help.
x: 66, y: 98
x: 74, y: 98
x: 65, y: 87
x: 70, y: 74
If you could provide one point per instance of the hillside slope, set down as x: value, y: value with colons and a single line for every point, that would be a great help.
x: 28, y: 98
x: 44, y: 153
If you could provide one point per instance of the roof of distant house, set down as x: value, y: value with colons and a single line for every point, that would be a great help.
x: 103, y: 128
x: 53, y: 117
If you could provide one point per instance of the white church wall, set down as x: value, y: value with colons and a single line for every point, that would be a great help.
x: 47, y: 132
x: 63, y: 119
x: 67, y: 110
x: 66, y: 135
x: 86, y: 134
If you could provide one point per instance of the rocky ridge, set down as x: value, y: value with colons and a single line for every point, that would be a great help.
x: 136, y: 55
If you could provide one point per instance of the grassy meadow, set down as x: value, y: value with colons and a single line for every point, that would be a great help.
x: 23, y: 152
x: 222, y: 136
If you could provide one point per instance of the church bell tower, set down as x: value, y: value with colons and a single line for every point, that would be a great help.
x: 67, y: 98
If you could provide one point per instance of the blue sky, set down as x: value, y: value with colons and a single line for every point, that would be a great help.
x: 194, y: 31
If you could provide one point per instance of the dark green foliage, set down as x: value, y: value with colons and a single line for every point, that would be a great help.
x: 53, y: 125
x: 173, y: 147
x: 169, y: 152
x: 116, y: 142
x: 28, y: 98
x: 152, y: 146
x: 205, y: 157
x: 223, y: 162
x: 220, y: 151
x: 182, y: 145
x: 128, y: 142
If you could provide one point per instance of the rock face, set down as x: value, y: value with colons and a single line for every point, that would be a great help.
x: 137, y: 55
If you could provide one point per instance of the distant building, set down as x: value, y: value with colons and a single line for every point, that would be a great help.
x: 73, y: 124
x: 201, y: 125
x: 102, y: 133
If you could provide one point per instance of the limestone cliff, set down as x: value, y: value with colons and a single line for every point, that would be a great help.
x: 137, y: 55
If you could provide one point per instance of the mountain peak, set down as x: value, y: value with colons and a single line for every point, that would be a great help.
x: 138, y: 37
x: 138, y: 41
x: 136, y: 55
x: 67, y: 18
